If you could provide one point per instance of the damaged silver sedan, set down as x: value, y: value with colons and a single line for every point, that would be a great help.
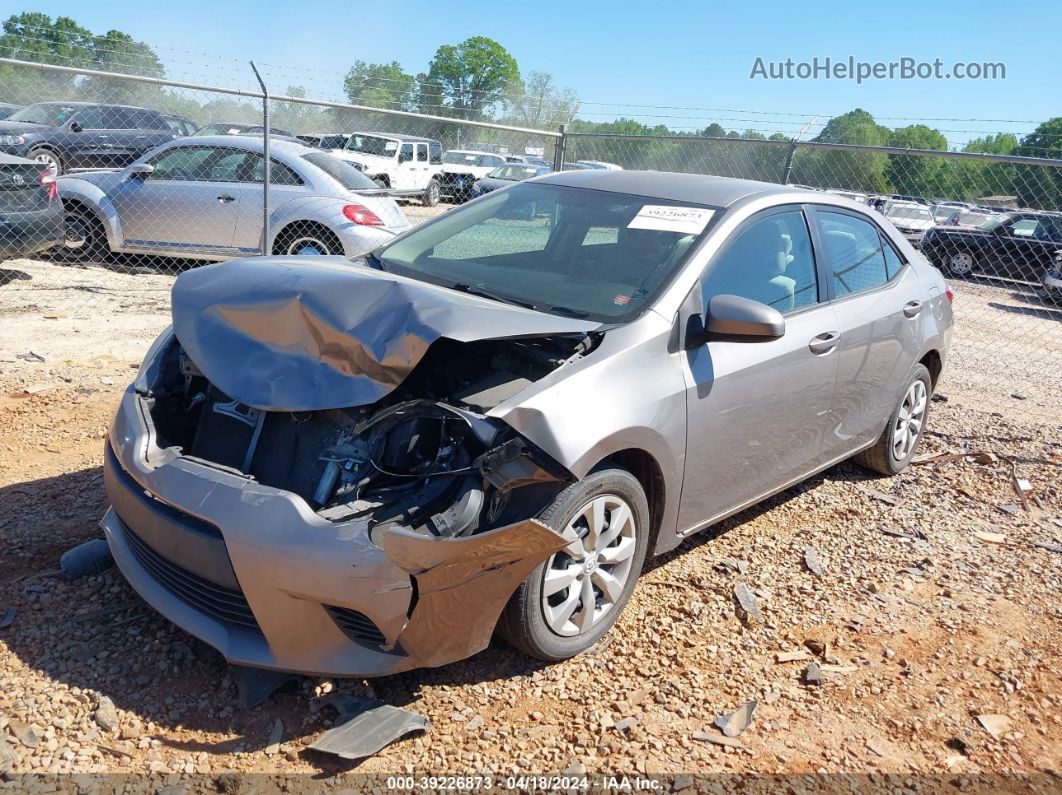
x: 488, y: 424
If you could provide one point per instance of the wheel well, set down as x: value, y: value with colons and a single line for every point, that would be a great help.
x: 647, y: 471
x: 934, y: 364
x: 305, y: 227
x: 384, y: 178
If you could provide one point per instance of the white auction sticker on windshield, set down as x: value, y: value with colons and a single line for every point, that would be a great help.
x: 684, y: 220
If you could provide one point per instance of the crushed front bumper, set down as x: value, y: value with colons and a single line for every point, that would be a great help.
x: 254, y: 572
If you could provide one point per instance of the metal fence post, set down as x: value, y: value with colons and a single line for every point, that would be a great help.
x: 265, y: 158
x: 788, y: 172
x: 558, y: 149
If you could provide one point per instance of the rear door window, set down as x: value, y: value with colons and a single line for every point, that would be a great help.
x: 853, y: 245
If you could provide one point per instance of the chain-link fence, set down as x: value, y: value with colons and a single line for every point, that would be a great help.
x: 135, y: 179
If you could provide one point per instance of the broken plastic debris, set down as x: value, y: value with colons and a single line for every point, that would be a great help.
x: 994, y: 724
x: 813, y: 675
x: 255, y: 685
x: 734, y: 723
x: 991, y: 538
x: 372, y: 725
x: 276, y: 734
x: 86, y: 560
x: 716, y: 739
x: 1046, y: 545
x: 811, y: 560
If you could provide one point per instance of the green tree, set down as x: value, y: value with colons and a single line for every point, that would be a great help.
x: 861, y: 171
x: 380, y: 85
x: 916, y: 175
x: 1041, y: 186
x: 537, y: 102
x: 33, y: 36
x: 119, y: 52
x: 472, y: 76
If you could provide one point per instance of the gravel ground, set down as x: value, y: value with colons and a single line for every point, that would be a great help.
x: 916, y: 634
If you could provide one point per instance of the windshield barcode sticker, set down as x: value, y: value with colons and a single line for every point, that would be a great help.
x: 684, y: 220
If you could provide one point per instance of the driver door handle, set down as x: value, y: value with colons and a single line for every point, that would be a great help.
x: 225, y: 198
x: 912, y: 308
x: 822, y: 344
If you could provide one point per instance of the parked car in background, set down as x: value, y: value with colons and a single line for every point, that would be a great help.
x: 1015, y: 245
x: 179, y: 125
x: 31, y: 215
x: 6, y: 109
x: 504, y: 176
x: 201, y: 197
x: 330, y: 142
x: 409, y: 166
x: 72, y: 135
x: 912, y: 219
x: 359, y: 470
x: 462, y: 167
x: 535, y: 160
x: 220, y: 128
x: 600, y: 164
x: 969, y: 218
x: 1052, y: 281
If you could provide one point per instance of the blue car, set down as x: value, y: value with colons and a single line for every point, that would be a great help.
x: 506, y: 175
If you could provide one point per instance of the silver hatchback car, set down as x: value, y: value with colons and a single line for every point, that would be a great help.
x: 201, y: 198
x: 490, y: 422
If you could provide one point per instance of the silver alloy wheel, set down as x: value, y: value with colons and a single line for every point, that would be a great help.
x: 961, y: 264
x: 583, y: 581
x: 77, y: 232
x: 909, y: 420
x: 48, y: 159
x: 433, y: 193
x: 308, y: 245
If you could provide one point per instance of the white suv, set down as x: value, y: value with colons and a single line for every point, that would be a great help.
x: 462, y: 167
x: 409, y: 166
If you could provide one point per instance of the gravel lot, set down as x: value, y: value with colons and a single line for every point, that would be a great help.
x: 918, y: 634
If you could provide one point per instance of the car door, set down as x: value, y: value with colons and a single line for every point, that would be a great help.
x: 420, y: 162
x: 1029, y: 247
x: 284, y: 185
x: 90, y: 141
x: 187, y: 204
x: 758, y: 411
x: 879, y: 302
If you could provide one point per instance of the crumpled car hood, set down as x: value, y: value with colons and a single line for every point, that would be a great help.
x: 312, y: 333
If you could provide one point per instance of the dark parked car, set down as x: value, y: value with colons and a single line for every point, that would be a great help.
x: 69, y: 135
x: 1017, y: 245
x: 6, y: 109
x: 180, y: 126
x: 504, y: 176
x: 31, y: 215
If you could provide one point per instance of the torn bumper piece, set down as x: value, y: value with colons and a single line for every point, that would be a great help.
x: 253, y: 571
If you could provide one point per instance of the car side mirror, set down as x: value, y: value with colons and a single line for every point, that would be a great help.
x: 733, y: 316
x: 75, y: 127
x: 140, y: 171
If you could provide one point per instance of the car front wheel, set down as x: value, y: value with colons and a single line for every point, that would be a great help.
x: 432, y: 194
x: 49, y: 159
x: 575, y: 596
x: 896, y: 446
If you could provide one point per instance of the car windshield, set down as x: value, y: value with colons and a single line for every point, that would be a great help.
x: 463, y: 158
x: 372, y: 145
x: 569, y: 251
x: 54, y: 114
x: 341, y: 171
x: 514, y: 173
x: 909, y: 213
x: 222, y: 129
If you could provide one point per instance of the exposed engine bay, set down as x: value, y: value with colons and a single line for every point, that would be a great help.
x: 423, y: 457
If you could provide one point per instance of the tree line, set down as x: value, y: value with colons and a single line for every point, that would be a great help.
x: 479, y: 80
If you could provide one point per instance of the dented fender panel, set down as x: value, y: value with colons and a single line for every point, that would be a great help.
x: 464, y: 583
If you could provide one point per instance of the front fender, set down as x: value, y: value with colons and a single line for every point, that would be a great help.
x: 92, y: 197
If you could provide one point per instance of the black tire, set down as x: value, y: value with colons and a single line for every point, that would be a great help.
x: 309, y: 235
x: 43, y: 154
x: 882, y: 457
x: 382, y: 182
x: 84, y: 238
x: 432, y: 193
x: 523, y: 622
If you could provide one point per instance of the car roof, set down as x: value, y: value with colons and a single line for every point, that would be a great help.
x: 249, y: 142
x: 395, y: 136
x: 697, y: 188
x: 80, y: 104
x: 472, y: 152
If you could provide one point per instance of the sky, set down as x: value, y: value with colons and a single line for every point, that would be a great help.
x: 693, y: 57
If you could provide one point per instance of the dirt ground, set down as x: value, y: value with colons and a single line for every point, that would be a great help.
x: 933, y: 607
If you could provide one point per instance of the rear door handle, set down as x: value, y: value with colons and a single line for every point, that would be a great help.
x: 225, y: 198
x: 824, y: 343
x: 912, y: 308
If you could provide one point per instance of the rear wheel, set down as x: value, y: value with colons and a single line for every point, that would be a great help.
x: 575, y: 596
x: 432, y: 194
x: 897, y: 444
x: 960, y: 264
x: 307, y: 240
x: 84, y: 237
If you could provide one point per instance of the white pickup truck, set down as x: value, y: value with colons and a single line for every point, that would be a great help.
x: 406, y: 164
